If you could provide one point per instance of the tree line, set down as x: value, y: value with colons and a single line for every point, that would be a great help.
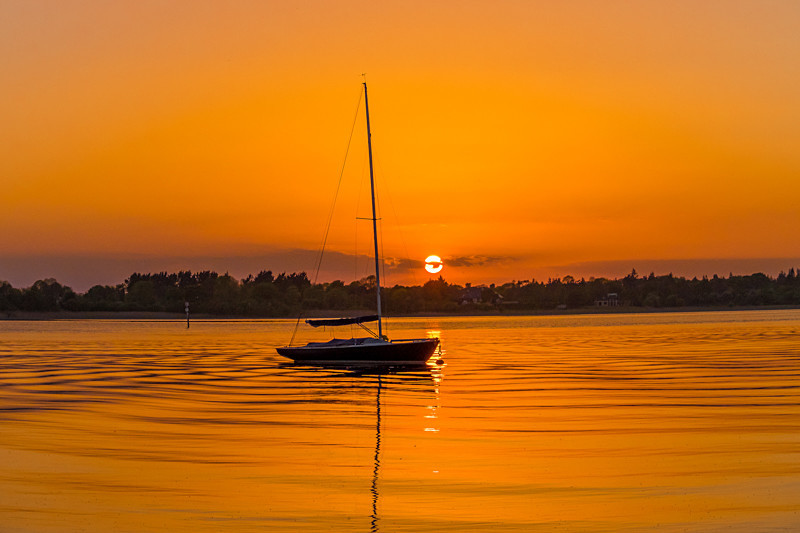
x: 658, y: 291
x: 284, y: 295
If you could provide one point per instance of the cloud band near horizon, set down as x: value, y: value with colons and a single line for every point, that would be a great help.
x: 82, y: 271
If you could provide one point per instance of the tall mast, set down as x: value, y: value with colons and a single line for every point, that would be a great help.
x: 374, y: 216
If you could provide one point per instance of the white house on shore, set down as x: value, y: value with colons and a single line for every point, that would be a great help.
x: 611, y: 300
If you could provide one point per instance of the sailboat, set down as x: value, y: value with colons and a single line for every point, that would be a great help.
x: 376, y: 349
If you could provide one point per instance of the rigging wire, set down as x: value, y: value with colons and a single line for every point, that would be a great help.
x: 399, y: 226
x: 364, y: 179
x: 333, y: 206
x: 379, y: 226
x: 380, y: 240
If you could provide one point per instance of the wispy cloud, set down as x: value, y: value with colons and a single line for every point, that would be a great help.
x: 81, y: 271
x: 404, y: 264
x: 476, y: 260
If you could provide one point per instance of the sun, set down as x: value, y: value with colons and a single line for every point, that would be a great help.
x: 433, y: 264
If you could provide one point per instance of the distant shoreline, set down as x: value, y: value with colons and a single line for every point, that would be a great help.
x: 153, y: 315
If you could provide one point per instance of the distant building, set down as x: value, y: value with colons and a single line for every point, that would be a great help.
x: 611, y: 300
x: 480, y: 294
x: 470, y: 295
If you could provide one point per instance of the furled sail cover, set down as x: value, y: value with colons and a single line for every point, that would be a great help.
x: 341, y: 321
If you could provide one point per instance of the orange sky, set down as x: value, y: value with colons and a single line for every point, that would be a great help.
x: 516, y: 140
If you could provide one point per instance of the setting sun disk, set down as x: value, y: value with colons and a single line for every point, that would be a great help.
x: 433, y: 264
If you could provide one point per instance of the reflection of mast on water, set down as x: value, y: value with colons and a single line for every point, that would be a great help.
x: 374, y: 489
x: 416, y: 374
x: 405, y: 378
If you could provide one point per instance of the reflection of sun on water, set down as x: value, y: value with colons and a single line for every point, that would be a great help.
x: 440, y: 351
x: 433, y: 410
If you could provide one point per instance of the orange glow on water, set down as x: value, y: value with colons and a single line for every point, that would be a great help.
x: 648, y: 422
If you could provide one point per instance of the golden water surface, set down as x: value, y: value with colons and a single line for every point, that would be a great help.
x: 647, y: 422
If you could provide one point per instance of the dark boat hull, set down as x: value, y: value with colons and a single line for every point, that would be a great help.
x: 389, y: 353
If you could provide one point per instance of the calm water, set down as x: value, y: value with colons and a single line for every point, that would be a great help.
x: 663, y: 422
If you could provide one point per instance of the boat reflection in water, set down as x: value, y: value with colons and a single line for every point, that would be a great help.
x: 408, y: 377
